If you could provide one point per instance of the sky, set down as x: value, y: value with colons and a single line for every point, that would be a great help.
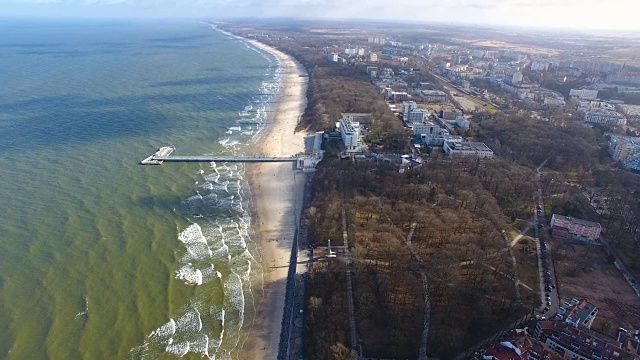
x: 579, y: 14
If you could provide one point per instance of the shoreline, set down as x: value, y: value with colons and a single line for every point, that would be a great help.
x: 277, y: 195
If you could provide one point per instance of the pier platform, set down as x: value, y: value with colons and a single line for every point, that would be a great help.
x: 305, y: 163
x: 163, y: 152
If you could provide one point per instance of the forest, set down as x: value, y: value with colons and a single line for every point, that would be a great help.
x: 452, y: 210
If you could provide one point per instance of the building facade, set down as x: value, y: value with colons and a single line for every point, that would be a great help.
x: 407, y: 107
x: 568, y: 228
x: 625, y: 149
x: 606, y: 117
x: 350, y: 133
x: 583, y: 94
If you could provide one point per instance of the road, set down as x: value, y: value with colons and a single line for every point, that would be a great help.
x: 546, y: 269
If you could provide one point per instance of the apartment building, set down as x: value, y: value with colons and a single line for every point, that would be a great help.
x: 625, y: 149
x: 583, y: 94
x: 566, y: 228
x: 603, y: 116
x: 350, y: 133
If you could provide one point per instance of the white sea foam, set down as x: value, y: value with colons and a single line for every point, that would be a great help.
x: 165, y: 330
x: 190, y: 322
x: 196, y: 246
x: 189, y: 275
x: 207, y: 185
x: 200, y: 345
x: 233, y: 291
x: 179, y: 350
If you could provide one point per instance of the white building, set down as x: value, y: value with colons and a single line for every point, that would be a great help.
x: 602, y: 116
x: 427, y: 129
x: 467, y: 149
x: 399, y: 96
x: 350, y: 133
x: 442, y: 138
x: 583, y: 94
x: 333, y: 57
x: 407, y: 107
x: 417, y: 116
x: 373, y: 57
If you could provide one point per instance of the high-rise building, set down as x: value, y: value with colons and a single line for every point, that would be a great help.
x: 350, y: 133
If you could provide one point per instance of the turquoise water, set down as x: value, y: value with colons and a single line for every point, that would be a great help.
x: 101, y: 258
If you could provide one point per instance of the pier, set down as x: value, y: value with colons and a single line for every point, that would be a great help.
x: 301, y: 162
x: 213, y: 158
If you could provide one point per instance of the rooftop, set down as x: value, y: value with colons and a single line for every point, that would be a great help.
x: 475, y: 146
x: 584, y: 343
x: 433, y: 92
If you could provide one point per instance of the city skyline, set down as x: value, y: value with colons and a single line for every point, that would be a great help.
x: 575, y: 14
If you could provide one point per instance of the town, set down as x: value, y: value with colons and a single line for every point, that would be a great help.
x: 480, y: 189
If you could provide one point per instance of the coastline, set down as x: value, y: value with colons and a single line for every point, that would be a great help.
x: 277, y: 196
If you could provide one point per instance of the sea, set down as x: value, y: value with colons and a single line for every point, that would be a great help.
x: 100, y: 257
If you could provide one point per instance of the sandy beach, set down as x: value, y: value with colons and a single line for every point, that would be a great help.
x: 277, y: 194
